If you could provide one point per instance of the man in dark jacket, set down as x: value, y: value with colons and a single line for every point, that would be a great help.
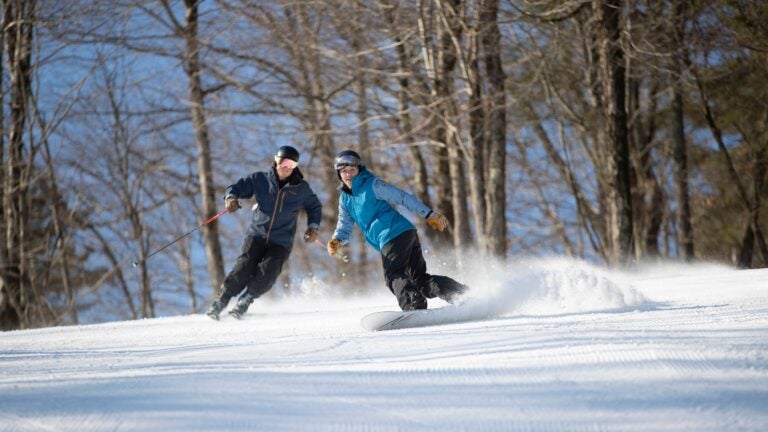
x: 368, y: 201
x: 280, y: 194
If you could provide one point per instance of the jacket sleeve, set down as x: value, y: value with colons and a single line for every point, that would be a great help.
x: 244, y: 188
x: 343, y: 226
x: 314, y: 210
x: 395, y: 196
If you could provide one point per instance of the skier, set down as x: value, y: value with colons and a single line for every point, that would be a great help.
x: 280, y: 194
x: 367, y: 201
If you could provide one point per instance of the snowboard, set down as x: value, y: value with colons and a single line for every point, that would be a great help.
x: 392, y: 320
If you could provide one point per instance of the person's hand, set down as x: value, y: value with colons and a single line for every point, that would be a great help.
x: 437, y: 221
x: 232, y: 204
x: 311, y: 235
x: 333, y: 246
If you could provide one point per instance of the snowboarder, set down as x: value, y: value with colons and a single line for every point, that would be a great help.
x: 367, y: 201
x: 280, y: 194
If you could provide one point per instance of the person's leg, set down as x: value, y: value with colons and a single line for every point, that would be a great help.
x: 394, y: 257
x: 263, y: 278
x: 239, y: 276
x: 429, y: 285
x: 446, y: 288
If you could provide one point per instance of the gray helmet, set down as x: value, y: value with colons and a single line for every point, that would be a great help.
x: 347, y: 158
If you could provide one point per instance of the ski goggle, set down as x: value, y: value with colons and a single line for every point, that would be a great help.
x: 345, y: 161
x: 285, y: 162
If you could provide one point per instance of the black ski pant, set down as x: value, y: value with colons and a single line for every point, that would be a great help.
x: 406, y: 274
x: 256, y: 269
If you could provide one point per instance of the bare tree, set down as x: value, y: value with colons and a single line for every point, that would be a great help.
x: 194, y: 69
x: 495, y: 189
x: 477, y: 141
x: 17, y: 299
x: 680, y: 147
x: 608, y: 17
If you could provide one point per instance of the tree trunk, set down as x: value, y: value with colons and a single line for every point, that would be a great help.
x: 477, y: 140
x: 746, y: 251
x: 496, y: 219
x: 613, y: 81
x: 648, y: 195
x: 682, y: 196
x: 455, y: 189
x: 462, y: 238
x: 205, y: 170
x: 680, y: 149
x: 8, y: 317
x: 147, y: 303
x: 185, y: 264
x: 442, y: 115
x: 15, y: 297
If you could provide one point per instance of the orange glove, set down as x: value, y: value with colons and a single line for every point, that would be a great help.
x: 437, y: 221
x: 311, y: 235
x: 232, y: 204
x: 333, y: 246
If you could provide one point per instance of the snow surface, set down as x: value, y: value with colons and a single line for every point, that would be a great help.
x: 557, y: 345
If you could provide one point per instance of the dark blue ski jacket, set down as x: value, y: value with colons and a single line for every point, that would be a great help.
x: 277, y: 208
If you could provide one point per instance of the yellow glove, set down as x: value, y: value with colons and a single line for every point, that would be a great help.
x: 437, y: 221
x: 232, y: 204
x: 333, y: 246
x: 311, y: 235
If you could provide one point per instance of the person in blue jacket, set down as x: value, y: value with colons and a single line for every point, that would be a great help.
x: 280, y: 194
x: 368, y: 201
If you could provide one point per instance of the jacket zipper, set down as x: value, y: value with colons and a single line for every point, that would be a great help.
x: 278, y: 203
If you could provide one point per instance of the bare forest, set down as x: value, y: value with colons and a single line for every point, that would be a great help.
x: 615, y: 131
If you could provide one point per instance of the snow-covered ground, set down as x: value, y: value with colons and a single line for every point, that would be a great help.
x: 557, y: 345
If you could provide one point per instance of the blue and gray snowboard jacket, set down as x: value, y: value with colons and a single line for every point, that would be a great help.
x: 277, y: 209
x: 370, y: 205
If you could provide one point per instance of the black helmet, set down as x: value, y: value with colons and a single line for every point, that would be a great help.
x: 347, y: 158
x: 287, y: 152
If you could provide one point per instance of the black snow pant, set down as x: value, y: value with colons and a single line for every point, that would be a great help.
x: 256, y: 269
x: 406, y: 274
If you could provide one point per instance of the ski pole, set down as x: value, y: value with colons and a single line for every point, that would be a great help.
x: 344, y: 257
x: 220, y: 214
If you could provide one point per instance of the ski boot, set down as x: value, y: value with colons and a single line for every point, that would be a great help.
x: 242, y: 306
x: 216, y: 309
x: 412, y: 300
x: 455, y: 295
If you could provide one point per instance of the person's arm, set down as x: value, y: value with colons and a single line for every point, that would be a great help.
x: 314, y: 209
x: 395, y: 196
x: 244, y: 188
x: 343, y: 226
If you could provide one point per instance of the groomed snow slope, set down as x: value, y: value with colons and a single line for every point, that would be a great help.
x: 557, y: 345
